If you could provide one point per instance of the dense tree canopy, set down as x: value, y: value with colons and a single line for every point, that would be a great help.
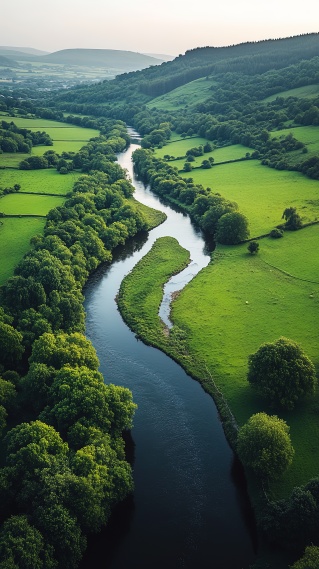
x: 264, y: 445
x: 232, y: 228
x: 282, y: 372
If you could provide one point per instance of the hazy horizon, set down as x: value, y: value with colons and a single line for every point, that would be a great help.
x: 172, y: 28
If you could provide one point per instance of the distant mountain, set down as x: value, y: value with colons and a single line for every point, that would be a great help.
x: 29, y: 50
x: 108, y: 58
x: 162, y: 56
x: 7, y: 62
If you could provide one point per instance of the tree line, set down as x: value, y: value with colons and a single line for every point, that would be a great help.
x: 63, y: 460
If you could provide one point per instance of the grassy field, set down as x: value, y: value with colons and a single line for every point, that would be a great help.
x: 306, y: 92
x: 15, y: 235
x: 28, y: 204
x: 178, y: 147
x: 39, y: 181
x: 309, y: 135
x: 66, y: 137
x: 228, y: 318
x: 225, y: 319
x: 262, y: 193
x: 187, y: 95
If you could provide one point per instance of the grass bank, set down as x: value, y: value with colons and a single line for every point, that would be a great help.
x: 219, y: 321
x: 141, y: 291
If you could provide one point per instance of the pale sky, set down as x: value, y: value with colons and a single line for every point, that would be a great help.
x: 164, y: 26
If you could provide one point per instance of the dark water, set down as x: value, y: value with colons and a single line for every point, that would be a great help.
x: 189, y: 509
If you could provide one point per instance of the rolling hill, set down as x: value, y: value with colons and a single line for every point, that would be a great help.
x: 126, y: 60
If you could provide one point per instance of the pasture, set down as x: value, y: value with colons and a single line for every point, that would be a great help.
x: 228, y: 318
x: 190, y: 94
x: 66, y: 138
x: 28, y: 204
x: 305, y: 92
x: 309, y: 135
x: 177, y: 148
x: 261, y: 193
x: 15, y: 235
x: 39, y: 181
x: 225, y: 154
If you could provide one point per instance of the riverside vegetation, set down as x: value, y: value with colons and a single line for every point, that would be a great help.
x: 63, y: 464
x: 230, y: 135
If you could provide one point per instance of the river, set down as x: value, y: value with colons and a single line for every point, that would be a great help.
x: 190, y: 508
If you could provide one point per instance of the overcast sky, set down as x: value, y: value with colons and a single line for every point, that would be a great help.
x: 165, y: 26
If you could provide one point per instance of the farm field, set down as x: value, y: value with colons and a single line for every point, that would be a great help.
x: 227, y: 319
x: 66, y: 137
x: 27, y: 204
x: 39, y: 181
x: 262, y: 193
x: 233, y: 152
x: 178, y: 147
x: 187, y: 95
x: 15, y: 235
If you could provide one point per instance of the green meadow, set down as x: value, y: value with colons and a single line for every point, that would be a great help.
x: 66, y: 138
x: 28, y: 204
x: 262, y: 193
x: 177, y: 148
x: 187, y: 95
x: 15, y: 235
x: 233, y: 152
x: 219, y: 320
x: 275, y: 293
x: 305, y: 92
x: 39, y: 181
x: 309, y: 135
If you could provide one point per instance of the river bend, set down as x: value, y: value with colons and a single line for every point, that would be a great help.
x: 190, y: 508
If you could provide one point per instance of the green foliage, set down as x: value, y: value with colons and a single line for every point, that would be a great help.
x: 310, y: 559
x: 282, y: 372
x: 253, y: 247
x: 276, y: 233
x: 232, y: 228
x: 64, y: 349
x: 11, y: 348
x: 264, y: 445
x: 293, y: 219
x: 293, y: 523
x: 22, y: 546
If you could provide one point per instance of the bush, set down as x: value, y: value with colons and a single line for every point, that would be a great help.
x: 276, y: 233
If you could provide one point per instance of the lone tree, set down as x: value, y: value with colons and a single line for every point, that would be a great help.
x: 264, y: 445
x: 232, y: 228
x: 253, y: 247
x: 282, y: 372
x: 293, y: 219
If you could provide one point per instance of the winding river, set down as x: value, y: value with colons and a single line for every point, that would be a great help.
x: 190, y: 508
